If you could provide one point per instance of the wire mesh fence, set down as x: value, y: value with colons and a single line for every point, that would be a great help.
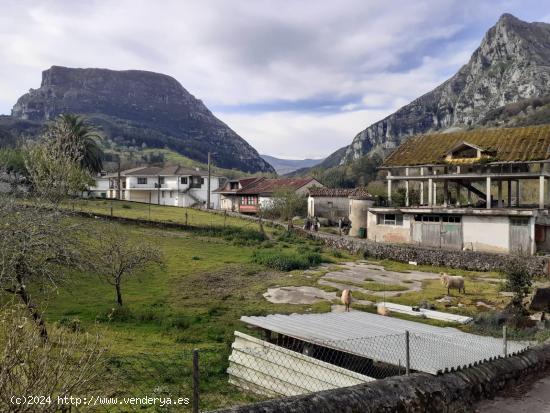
x: 280, y: 366
x: 288, y: 366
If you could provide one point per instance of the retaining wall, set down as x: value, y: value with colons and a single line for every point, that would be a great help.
x: 467, y: 260
x: 455, y: 392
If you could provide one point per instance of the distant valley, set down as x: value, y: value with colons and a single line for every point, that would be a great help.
x: 286, y: 166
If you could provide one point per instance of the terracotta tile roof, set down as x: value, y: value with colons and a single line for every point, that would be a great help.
x: 268, y: 186
x: 507, y: 144
x: 226, y: 189
x: 340, y: 193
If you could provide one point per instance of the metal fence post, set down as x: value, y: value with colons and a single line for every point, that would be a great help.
x: 196, y: 381
x: 505, y: 340
x: 407, y: 353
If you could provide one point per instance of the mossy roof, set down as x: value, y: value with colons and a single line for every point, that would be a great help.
x: 530, y: 143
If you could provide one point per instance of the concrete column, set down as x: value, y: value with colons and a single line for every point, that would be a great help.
x: 421, y: 187
x: 488, y: 192
x: 509, y: 203
x: 541, y: 192
x: 434, y: 195
x: 389, y: 188
x: 518, y: 190
x: 407, y: 188
x: 430, y: 192
x: 458, y: 193
x: 500, y: 198
x: 446, y: 193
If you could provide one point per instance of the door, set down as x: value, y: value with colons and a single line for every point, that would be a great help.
x: 431, y: 230
x: 451, y: 232
x: 520, y: 235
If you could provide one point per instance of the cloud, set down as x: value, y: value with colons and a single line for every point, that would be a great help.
x: 277, y: 71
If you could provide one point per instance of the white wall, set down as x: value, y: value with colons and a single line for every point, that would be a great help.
x: 486, y: 233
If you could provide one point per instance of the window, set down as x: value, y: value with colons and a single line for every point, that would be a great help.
x: 162, y: 194
x: 142, y: 181
x: 329, y: 204
x: 171, y: 194
x: 249, y: 200
x: 233, y: 185
x: 389, y: 219
x: 161, y: 180
x: 453, y: 219
x: 202, y: 181
x: 519, y: 221
x: 183, y: 180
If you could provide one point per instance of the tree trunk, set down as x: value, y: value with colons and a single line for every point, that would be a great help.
x: 118, y: 293
x: 33, y: 310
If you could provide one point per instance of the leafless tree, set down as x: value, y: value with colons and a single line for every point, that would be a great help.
x: 66, y: 365
x: 117, y: 257
x: 36, y: 247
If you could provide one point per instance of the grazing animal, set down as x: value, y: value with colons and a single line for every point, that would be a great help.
x: 452, y: 282
x: 346, y: 298
x: 382, y: 310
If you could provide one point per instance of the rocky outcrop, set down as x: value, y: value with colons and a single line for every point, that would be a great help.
x: 512, y: 63
x: 139, y: 107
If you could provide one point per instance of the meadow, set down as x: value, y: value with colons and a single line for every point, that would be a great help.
x: 210, y: 279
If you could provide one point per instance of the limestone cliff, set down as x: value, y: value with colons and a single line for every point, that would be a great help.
x: 512, y: 63
x: 139, y: 107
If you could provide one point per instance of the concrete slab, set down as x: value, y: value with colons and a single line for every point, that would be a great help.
x: 298, y: 295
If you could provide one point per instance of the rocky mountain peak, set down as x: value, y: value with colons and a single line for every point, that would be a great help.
x: 512, y: 63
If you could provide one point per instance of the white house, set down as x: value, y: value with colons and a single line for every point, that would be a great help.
x: 171, y: 185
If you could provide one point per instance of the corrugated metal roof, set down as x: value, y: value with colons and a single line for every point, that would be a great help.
x: 433, y: 349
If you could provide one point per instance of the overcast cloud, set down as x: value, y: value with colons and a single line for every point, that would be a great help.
x: 294, y: 78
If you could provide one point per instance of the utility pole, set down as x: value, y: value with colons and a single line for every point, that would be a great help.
x: 118, y: 179
x: 208, y: 183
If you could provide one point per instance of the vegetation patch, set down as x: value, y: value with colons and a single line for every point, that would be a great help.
x: 286, y: 260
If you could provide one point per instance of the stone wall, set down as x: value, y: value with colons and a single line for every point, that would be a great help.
x: 467, y: 260
x: 455, y: 392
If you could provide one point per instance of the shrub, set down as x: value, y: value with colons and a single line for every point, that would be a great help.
x: 286, y: 260
x: 73, y: 324
x: 518, y: 281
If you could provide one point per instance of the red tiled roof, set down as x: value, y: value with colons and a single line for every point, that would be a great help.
x: 339, y: 192
x: 268, y: 186
x: 226, y: 189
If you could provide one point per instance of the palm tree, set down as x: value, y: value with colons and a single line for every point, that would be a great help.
x: 76, y: 128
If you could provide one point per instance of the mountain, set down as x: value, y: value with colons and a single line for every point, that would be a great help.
x: 511, y: 64
x: 140, y: 109
x: 286, y: 166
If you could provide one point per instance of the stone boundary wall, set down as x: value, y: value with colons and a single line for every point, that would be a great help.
x: 467, y: 260
x: 455, y: 392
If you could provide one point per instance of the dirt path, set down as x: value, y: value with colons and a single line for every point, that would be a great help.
x: 531, y: 398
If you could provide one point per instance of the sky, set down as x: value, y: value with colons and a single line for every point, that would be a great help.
x: 296, y: 79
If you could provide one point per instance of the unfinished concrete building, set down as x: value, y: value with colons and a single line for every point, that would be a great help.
x: 483, y: 190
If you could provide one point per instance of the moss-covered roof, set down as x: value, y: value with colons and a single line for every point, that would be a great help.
x: 505, y: 145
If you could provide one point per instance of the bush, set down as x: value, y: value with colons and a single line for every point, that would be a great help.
x: 73, y: 324
x: 286, y: 260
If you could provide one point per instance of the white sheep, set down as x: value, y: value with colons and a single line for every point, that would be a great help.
x: 346, y: 298
x: 452, y: 282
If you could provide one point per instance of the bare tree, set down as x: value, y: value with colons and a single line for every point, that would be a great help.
x: 68, y: 364
x: 36, y: 246
x: 117, y: 257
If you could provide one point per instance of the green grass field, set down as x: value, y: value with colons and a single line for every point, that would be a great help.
x: 161, y: 213
x: 196, y: 301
